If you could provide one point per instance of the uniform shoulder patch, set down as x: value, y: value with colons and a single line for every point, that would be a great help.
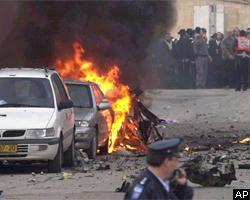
x: 138, y: 189
x: 143, y: 181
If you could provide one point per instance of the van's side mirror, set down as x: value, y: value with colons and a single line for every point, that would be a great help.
x: 65, y: 104
x: 104, y: 105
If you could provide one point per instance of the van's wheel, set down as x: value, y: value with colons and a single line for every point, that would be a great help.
x: 91, y: 151
x: 55, y: 166
x: 69, y: 155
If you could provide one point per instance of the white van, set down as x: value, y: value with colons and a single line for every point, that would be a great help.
x: 36, y: 118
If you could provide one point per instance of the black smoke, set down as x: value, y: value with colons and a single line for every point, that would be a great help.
x: 112, y: 32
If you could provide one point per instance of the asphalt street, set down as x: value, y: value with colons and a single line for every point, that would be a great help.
x: 218, y: 113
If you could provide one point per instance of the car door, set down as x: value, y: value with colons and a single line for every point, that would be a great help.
x: 103, y: 117
x: 66, y: 119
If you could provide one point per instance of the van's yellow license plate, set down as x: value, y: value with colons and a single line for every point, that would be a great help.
x: 6, y: 148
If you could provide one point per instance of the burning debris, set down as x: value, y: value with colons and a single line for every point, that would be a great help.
x: 245, y: 141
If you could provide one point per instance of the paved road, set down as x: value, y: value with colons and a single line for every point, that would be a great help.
x: 195, y: 110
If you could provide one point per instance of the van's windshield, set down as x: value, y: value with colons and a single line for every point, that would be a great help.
x: 25, y: 92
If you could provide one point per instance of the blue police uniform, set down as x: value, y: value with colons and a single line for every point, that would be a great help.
x: 149, y: 186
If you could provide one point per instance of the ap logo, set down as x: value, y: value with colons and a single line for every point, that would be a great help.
x: 241, y: 194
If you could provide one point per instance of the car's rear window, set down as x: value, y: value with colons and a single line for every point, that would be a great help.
x: 80, y: 95
x: 25, y: 92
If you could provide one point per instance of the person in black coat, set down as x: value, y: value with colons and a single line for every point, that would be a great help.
x: 156, y: 181
x: 181, y: 55
x: 184, y: 55
x: 215, y: 70
x: 190, y: 35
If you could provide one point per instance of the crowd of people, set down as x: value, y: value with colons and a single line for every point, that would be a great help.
x: 216, y: 62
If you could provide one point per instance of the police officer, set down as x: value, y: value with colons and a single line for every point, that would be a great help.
x: 155, y: 182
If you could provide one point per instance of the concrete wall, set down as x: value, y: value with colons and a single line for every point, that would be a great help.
x: 236, y: 13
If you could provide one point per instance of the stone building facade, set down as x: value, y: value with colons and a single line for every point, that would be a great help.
x: 232, y: 13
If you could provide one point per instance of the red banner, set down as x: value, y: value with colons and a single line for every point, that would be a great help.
x: 243, y: 44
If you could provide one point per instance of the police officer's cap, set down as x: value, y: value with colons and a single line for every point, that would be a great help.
x: 168, y: 147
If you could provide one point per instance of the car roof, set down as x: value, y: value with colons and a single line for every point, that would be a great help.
x: 26, y: 72
x: 78, y: 82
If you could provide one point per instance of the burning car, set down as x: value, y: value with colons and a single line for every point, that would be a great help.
x: 93, y: 116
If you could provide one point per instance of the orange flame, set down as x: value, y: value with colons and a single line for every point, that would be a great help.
x: 245, y: 141
x: 117, y: 93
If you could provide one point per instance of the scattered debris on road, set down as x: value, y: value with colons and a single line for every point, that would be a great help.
x: 244, y: 166
x: 213, y: 171
x: 124, y: 187
x: 65, y: 176
x: 102, y: 166
x: 31, y: 180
